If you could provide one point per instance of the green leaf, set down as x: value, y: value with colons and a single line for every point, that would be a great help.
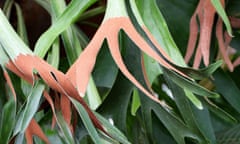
x: 135, y: 102
x: 32, y: 104
x: 8, y: 7
x: 201, y: 73
x: 193, y: 99
x: 87, y: 121
x: 227, y: 88
x: 190, y: 85
x: 105, y: 70
x: 177, y: 15
x: 3, y: 56
x: 10, y: 41
x: 165, y: 40
x: 152, y: 68
x: 54, y: 55
x: 21, y: 28
x: 119, y: 95
x: 112, y: 130
x: 92, y: 95
x: 70, y: 14
x: 198, y: 120
x: 228, y: 117
x: 203, y: 121
x: 70, y: 41
x: 73, y: 48
x: 155, y: 22
x: 173, y: 124
x: 219, y: 8
x: 45, y: 4
x: 66, y: 132
x: 179, y: 60
x: 8, y: 120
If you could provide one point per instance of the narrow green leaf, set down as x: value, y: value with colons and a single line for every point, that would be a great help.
x: 54, y: 55
x: 7, y: 121
x: 45, y: 4
x: 112, y: 130
x: 32, y: 104
x: 92, y: 12
x: 21, y: 28
x: 193, y: 99
x: 228, y: 117
x: 190, y: 85
x: 219, y: 8
x: 8, y: 7
x: 73, y: 48
x: 87, y: 121
x: 81, y: 36
x: 70, y: 14
x: 71, y: 43
x: 66, y: 132
x: 201, y: 73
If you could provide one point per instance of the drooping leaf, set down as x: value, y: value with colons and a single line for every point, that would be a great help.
x: 7, y: 120
x: 159, y: 29
x: 220, y: 9
x: 190, y: 85
x: 87, y: 122
x: 68, y: 137
x: 220, y: 112
x: 32, y: 104
x: 21, y: 28
x: 7, y: 7
x: 112, y: 130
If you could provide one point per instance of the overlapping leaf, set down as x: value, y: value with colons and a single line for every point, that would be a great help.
x: 74, y: 83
